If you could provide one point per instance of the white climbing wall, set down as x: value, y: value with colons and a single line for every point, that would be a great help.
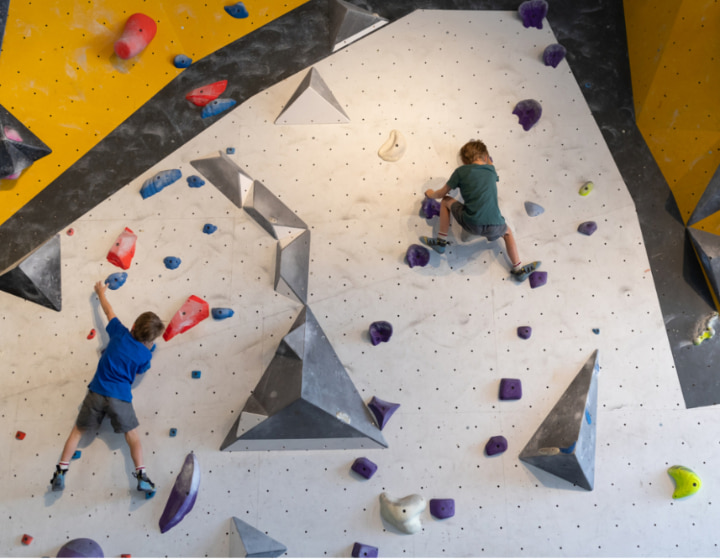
x: 440, y: 78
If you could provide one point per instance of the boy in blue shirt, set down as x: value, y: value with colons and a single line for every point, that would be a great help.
x: 480, y: 213
x: 109, y: 393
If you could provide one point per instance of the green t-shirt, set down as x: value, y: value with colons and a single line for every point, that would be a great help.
x: 478, y: 186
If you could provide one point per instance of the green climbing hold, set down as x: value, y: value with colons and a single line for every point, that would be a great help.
x: 709, y: 331
x: 586, y: 188
x: 687, y: 482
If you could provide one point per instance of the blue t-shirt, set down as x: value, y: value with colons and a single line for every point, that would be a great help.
x: 478, y: 185
x: 123, y: 358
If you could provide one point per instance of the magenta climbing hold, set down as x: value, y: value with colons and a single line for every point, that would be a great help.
x: 430, y: 207
x: 380, y: 331
x: 532, y: 13
x: 364, y: 550
x: 155, y: 184
x: 182, y: 61
x: 510, y: 389
x: 193, y: 311
x: 554, y: 55
x: 524, y: 332
x: 194, y: 181
x: 528, y: 112
x: 138, y: 32
x: 171, y: 262
x: 209, y: 228
x: 81, y: 547
x: 417, y: 255
x: 221, y: 313
x: 382, y: 410
x: 364, y: 467
x: 442, y: 508
x: 183, y: 495
x: 238, y: 11
x: 537, y: 279
x: 587, y: 228
x: 496, y: 445
x: 116, y: 280
x: 217, y: 106
x: 123, y: 250
x: 201, y: 96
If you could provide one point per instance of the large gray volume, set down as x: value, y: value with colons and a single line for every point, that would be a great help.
x: 348, y: 21
x: 707, y: 246
x: 37, y: 278
x: 248, y: 541
x: 292, y: 264
x: 224, y: 174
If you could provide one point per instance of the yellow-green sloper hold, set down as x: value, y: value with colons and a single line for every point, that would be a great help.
x: 687, y: 482
x: 586, y: 188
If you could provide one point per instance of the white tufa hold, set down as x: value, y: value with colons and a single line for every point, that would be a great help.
x: 403, y: 514
x: 394, y: 147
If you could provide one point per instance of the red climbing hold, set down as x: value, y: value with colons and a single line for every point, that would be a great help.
x: 70, y: 232
x: 139, y: 31
x: 203, y: 95
x: 194, y: 310
x: 27, y: 540
x: 122, y: 252
x: 19, y: 435
x: 91, y: 335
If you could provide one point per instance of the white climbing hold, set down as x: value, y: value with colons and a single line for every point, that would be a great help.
x: 394, y: 148
x: 403, y: 514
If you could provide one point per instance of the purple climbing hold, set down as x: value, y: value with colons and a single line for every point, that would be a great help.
x: 209, y: 228
x: 380, y: 331
x: 183, y: 495
x: 554, y: 55
x: 81, y: 547
x: 532, y: 13
x: 182, y: 61
x: 510, y: 389
x: 194, y: 181
x: 116, y: 280
x: 528, y: 112
x: 382, y: 410
x: 217, y: 106
x: 430, y: 207
x: 155, y: 184
x: 496, y: 445
x: 442, y: 508
x: 364, y: 467
x: 363, y: 550
x: 171, y: 262
x: 524, y: 332
x: 587, y: 228
x: 537, y: 279
x: 238, y: 11
x: 417, y: 255
x: 220, y: 313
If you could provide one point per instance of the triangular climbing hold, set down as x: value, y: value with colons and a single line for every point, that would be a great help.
x: 37, y: 278
x: 248, y: 541
x: 564, y: 444
x: 19, y: 147
x: 348, y: 23
x: 312, y: 103
x: 269, y: 212
x: 707, y: 246
x: 292, y: 267
x: 709, y: 201
x: 226, y: 176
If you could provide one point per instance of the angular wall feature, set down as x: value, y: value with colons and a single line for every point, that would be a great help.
x: 19, y: 148
x: 37, y: 278
x: 349, y: 23
x: 265, y: 208
x: 248, y: 541
x: 707, y: 246
x: 709, y: 201
x: 305, y: 400
x: 292, y: 267
x: 564, y: 444
x: 226, y: 175
x: 312, y: 103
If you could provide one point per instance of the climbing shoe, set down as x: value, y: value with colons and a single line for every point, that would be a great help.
x: 58, y: 479
x: 522, y: 273
x: 438, y: 245
x: 144, y: 483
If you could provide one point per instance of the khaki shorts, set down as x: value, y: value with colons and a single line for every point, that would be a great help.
x: 95, y: 407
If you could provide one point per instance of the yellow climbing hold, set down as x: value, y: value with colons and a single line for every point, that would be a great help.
x: 586, y: 188
x: 709, y: 331
x: 687, y: 482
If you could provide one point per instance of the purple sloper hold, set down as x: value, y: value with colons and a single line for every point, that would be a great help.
x: 532, y: 13
x: 417, y: 255
x: 587, y: 228
x: 528, y: 112
x: 430, y: 207
x: 510, y: 389
x: 380, y: 331
x: 537, y: 279
x: 364, y: 550
x: 183, y: 494
x: 554, y: 55
x: 496, y: 445
x: 442, y: 508
x: 382, y: 410
x: 81, y: 547
x: 524, y: 332
x: 364, y: 467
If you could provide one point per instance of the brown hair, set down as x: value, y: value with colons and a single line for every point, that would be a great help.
x: 473, y: 150
x: 148, y: 326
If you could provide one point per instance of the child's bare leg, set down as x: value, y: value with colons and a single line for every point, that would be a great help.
x: 71, y: 445
x: 136, y: 451
x: 444, y: 225
x: 511, y: 247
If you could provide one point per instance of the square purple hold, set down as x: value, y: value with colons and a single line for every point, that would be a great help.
x: 537, y: 279
x: 510, y: 389
x: 442, y: 508
x: 363, y: 550
x: 524, y: 332
x: 496, y: 445
x: 364, y: 467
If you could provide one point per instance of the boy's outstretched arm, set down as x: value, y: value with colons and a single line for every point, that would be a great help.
x: 100, y: 289
x: 440, y: 193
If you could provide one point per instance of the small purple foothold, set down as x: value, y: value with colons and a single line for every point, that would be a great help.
x: 496, y: 445
x: 587, y: 228
x: 430, y: 207
x: 524, y: 332
x: 417, y: 255
x: 528, y: 112
x: 364, y: 467
x: 532, y: 12
x: 537, y: 279
x: 554, y: 55
x: 510, y: 389
x: 442, y: 508
x: 380, y: 332
x: 363, y: 550
x: 382, y: 410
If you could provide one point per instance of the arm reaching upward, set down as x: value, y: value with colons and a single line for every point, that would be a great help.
x: 100, y: 289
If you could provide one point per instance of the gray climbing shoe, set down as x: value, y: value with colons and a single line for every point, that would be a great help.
x: 58, y: 479
x: 438, y: 245
x: 522, y: 273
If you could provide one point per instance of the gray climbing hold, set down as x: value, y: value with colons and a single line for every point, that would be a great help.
x: 292, y: 266
x: 533, y: 209
x: 269, y: 212
x: 19, y: 147
x: 709, y: 201
x: 404, y: 514
x: 312, y: 103
x: 248, y: 541
x: 226, y: 176
x: 37, y: 278
x: 349, y: 23
x: 707, y: 247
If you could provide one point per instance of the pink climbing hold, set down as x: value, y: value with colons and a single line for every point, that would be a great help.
x: 139, y: 31
x: 122, y: 252
x: 193, y: 311
x: 203, y: 95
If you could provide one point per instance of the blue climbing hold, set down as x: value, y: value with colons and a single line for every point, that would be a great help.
x: 209, y: 228
x: 182, y: 61
x: 217, y: 106
x: 116, y: 280
x: 554, y: 55
x: 155, y: 184
x: 533, y: 209
x: 596, y: 330
x: 171, y: 262
x: 77, y: 454
x: 173, y: 432
x: 196, y: 374
x: 238, y: 11
x: 219, y: 313
x: 230, y: 151
x: 194, y: 181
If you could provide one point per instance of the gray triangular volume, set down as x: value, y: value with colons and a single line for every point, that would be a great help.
x: 225, y: 175
x: 19, y: 147
x: 707, y: 246
x: 292, y: 266
x: 312, y: 103
x: 709, y: 201
x: 248, y: 541
x: 265, y: 208
x: 37, y: 278
x: 349, y: 23
x: 305, y: 405
x: 564, y: 444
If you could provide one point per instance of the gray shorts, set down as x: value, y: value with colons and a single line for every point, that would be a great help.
x: 490, y: 232
x: 95, y: 407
